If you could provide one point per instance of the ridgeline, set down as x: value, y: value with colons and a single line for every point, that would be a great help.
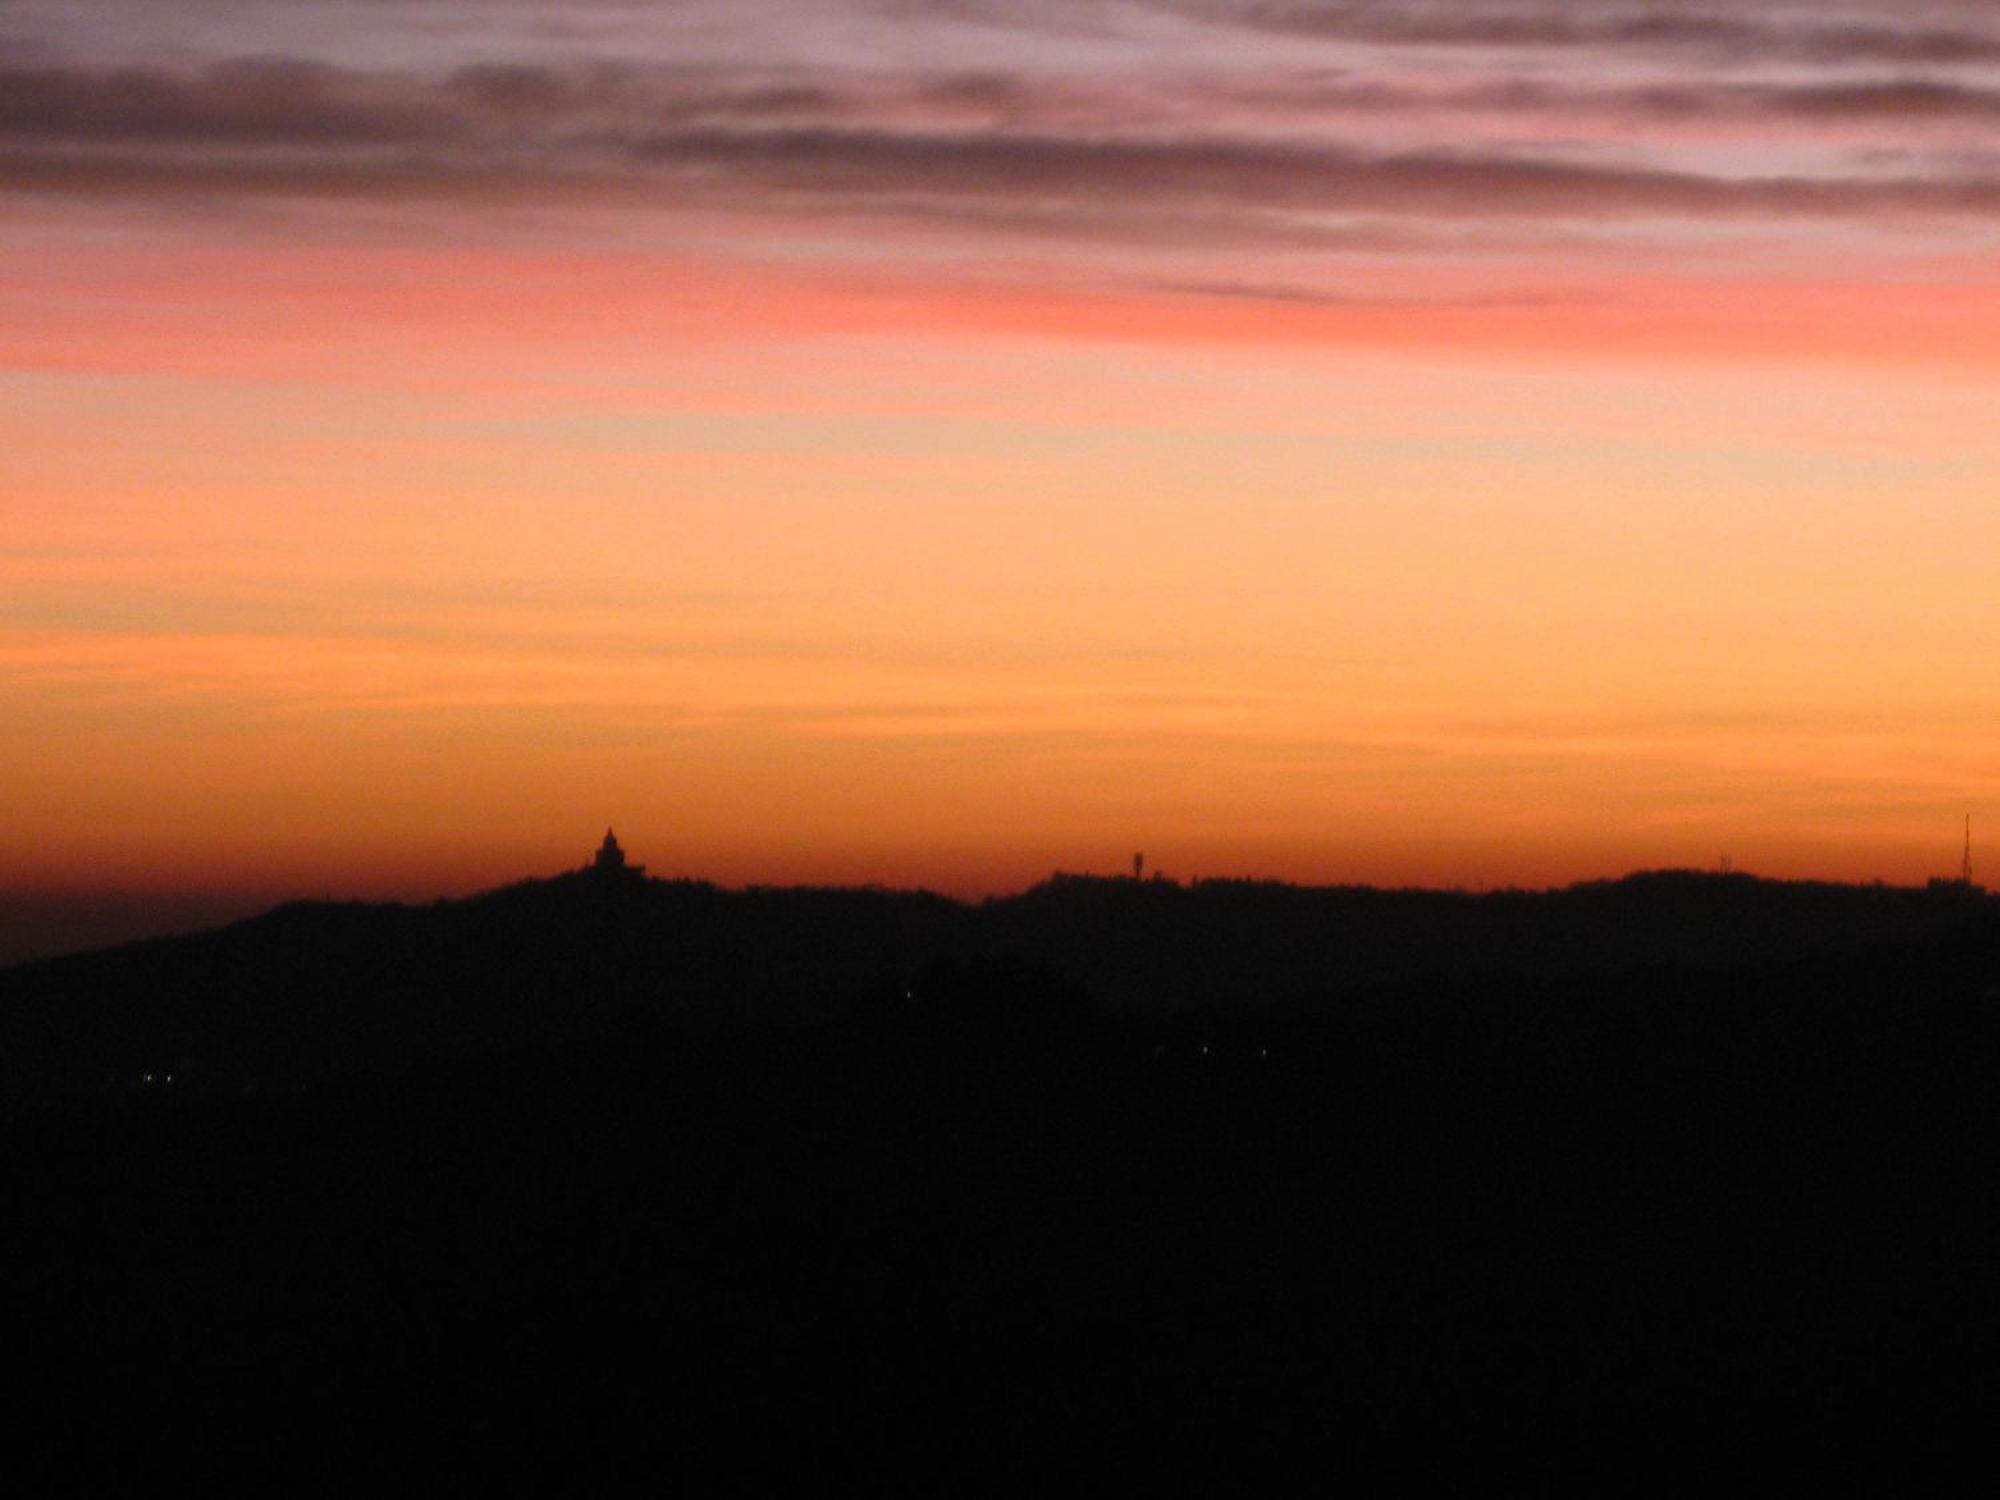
x: 651, y: 1160
x: 316, y: 993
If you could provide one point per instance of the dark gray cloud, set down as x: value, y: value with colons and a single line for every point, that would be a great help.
x: 1740, y: 34
x: 1272, y: 174
x: 268, y: 102
x: 979, y: 150
x: 291, y: 101
x: 1893, y: 101
x: 799, y: 168
x: 261, y: 101
x: 1896, y: 99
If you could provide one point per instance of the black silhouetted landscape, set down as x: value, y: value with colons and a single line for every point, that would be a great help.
x: 608, y: 1163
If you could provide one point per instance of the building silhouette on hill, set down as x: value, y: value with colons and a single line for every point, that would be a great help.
x: 610, y: 862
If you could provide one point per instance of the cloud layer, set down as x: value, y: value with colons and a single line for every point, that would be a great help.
x: 1656, y: 133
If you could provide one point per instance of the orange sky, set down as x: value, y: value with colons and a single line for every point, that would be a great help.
x: 390, y: 537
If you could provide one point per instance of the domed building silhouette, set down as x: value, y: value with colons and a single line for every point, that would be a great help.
x: 610, y: 861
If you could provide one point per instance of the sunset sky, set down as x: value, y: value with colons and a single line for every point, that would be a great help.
x: 1488, y: 442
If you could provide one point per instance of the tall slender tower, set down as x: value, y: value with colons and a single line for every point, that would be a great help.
x: 1965, y: 868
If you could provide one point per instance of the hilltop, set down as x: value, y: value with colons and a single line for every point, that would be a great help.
x: 319, y: 992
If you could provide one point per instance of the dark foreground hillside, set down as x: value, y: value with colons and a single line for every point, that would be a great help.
x: 826, y: 1179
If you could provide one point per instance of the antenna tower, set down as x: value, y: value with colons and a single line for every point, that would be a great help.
x: 1965, y: 868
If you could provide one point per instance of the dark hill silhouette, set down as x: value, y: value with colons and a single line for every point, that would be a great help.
x: 657, y: 1162
x: 322, y: 992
